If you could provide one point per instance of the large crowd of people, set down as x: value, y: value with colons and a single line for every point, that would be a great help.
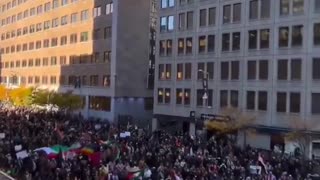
x: 139, y: 155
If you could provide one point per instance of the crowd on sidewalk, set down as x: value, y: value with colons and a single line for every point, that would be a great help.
x: 139, y: 155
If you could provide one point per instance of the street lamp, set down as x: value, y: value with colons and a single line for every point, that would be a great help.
x: 205, y: 85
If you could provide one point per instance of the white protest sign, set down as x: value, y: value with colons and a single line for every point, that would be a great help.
x: 2, y: 135
x: 255, y: 169
x: 127, y: 134
x: 122, y: 135
x: 22, y: 154
x: 17, y: 147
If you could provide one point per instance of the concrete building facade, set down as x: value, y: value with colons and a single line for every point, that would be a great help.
x: 260, y: 56
x: 97, y: 49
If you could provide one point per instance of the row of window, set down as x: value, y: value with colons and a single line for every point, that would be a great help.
x: 46, y: 43
x: 286, y: 102
x: 258, y: 9
x: 47, y: 6
x: 96, y: 35
x: 84, y: 15
x: 11, y: 4
x: 287, y: 69
x: 92, y: 80
x: 63, y: 60
x: 257, y: 39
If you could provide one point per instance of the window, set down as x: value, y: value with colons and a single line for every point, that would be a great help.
x: 107, y: 32
x: 284, y: 7
x: 226, y: 42
x: 234, y: 101
x: 55, y: 22
x: 44, y: 79
x: 251, y: 71
x: 25, y: 14
x: 283, y: 36
x: 97, y: 11
x: 226, y: 14
x: 167, y: 96
x: 109, y: 8
x: 212, y: 16
x: 32, y: 11
x: 94, y: 80
x: 53, y: 80
x: 179, y: 96
x: 262, y: 100
x: 182, y: 21
x: 167, y: 3
x: 211, y: 43
x: 236, y: 41
x: 223, y: 98
x: 281, y: 102
x: 95, y: 34
x: 107, y: 56
x: 46, y: 25
x: 265, y: 9
x: 53, y: 61
x: 63, y: 40
x: 100, y: 103
x: 253, y: 12
x: 315, y: 103
x: 297, y: 37
x: 202, y: 44
x: 39, y: 9
x: 84, y: 36
x: 161, y: 72
x: 54, y: 42
x: 282, y: 69
x: 316, y: 33
x: 39, y: 27
x: 190, y: 20
x: 317, y: 6
x: 84, y: 15
x: 163, y: 46
x: 316, y: 69
x: 253, y: 39
x: 187, y: 94
x: 189, y: 45
x: 295, y: 102
x: 74, y: 18
x: 179, y: 71
x: 203, y: 17
x: 73, y: 38
x: 224, y: 70
x: 55, y: 4
x: 47, y: 7
x: 181, y: 46
x: 235, y: 65
x: 160, y: 95
x: 30, y: 63
x: 30, y: 80
x: 188, y: 71
x: 251, y: 100
x: 45, y: 62
x: 296, y: 69
x: 106, y: 81
x: 169, y: 47
x: 236, y: 12
x: 168, y: 71
x: 297, y: 6
x: 64, y: 2
x: 264, y: 38
x: 31, y: 46
x: 263, y: 70
x: 64, y: 20
x: 24, y: 47
x: 38, y: 44
x: 201, y: 69
x: 63, y: 60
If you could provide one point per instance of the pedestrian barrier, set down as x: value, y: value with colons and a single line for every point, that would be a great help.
x: 6, y: 176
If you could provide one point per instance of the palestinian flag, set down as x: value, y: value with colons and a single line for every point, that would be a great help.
x: 135, y: 176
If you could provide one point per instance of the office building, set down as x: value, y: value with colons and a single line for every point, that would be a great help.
x: 260, y: 56
x: 97, y: 49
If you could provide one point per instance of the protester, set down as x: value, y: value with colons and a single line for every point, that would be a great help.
x: 98, y: 150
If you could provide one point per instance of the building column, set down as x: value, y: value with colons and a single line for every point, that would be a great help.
x: 192, y: 129
x: 154, y: 125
